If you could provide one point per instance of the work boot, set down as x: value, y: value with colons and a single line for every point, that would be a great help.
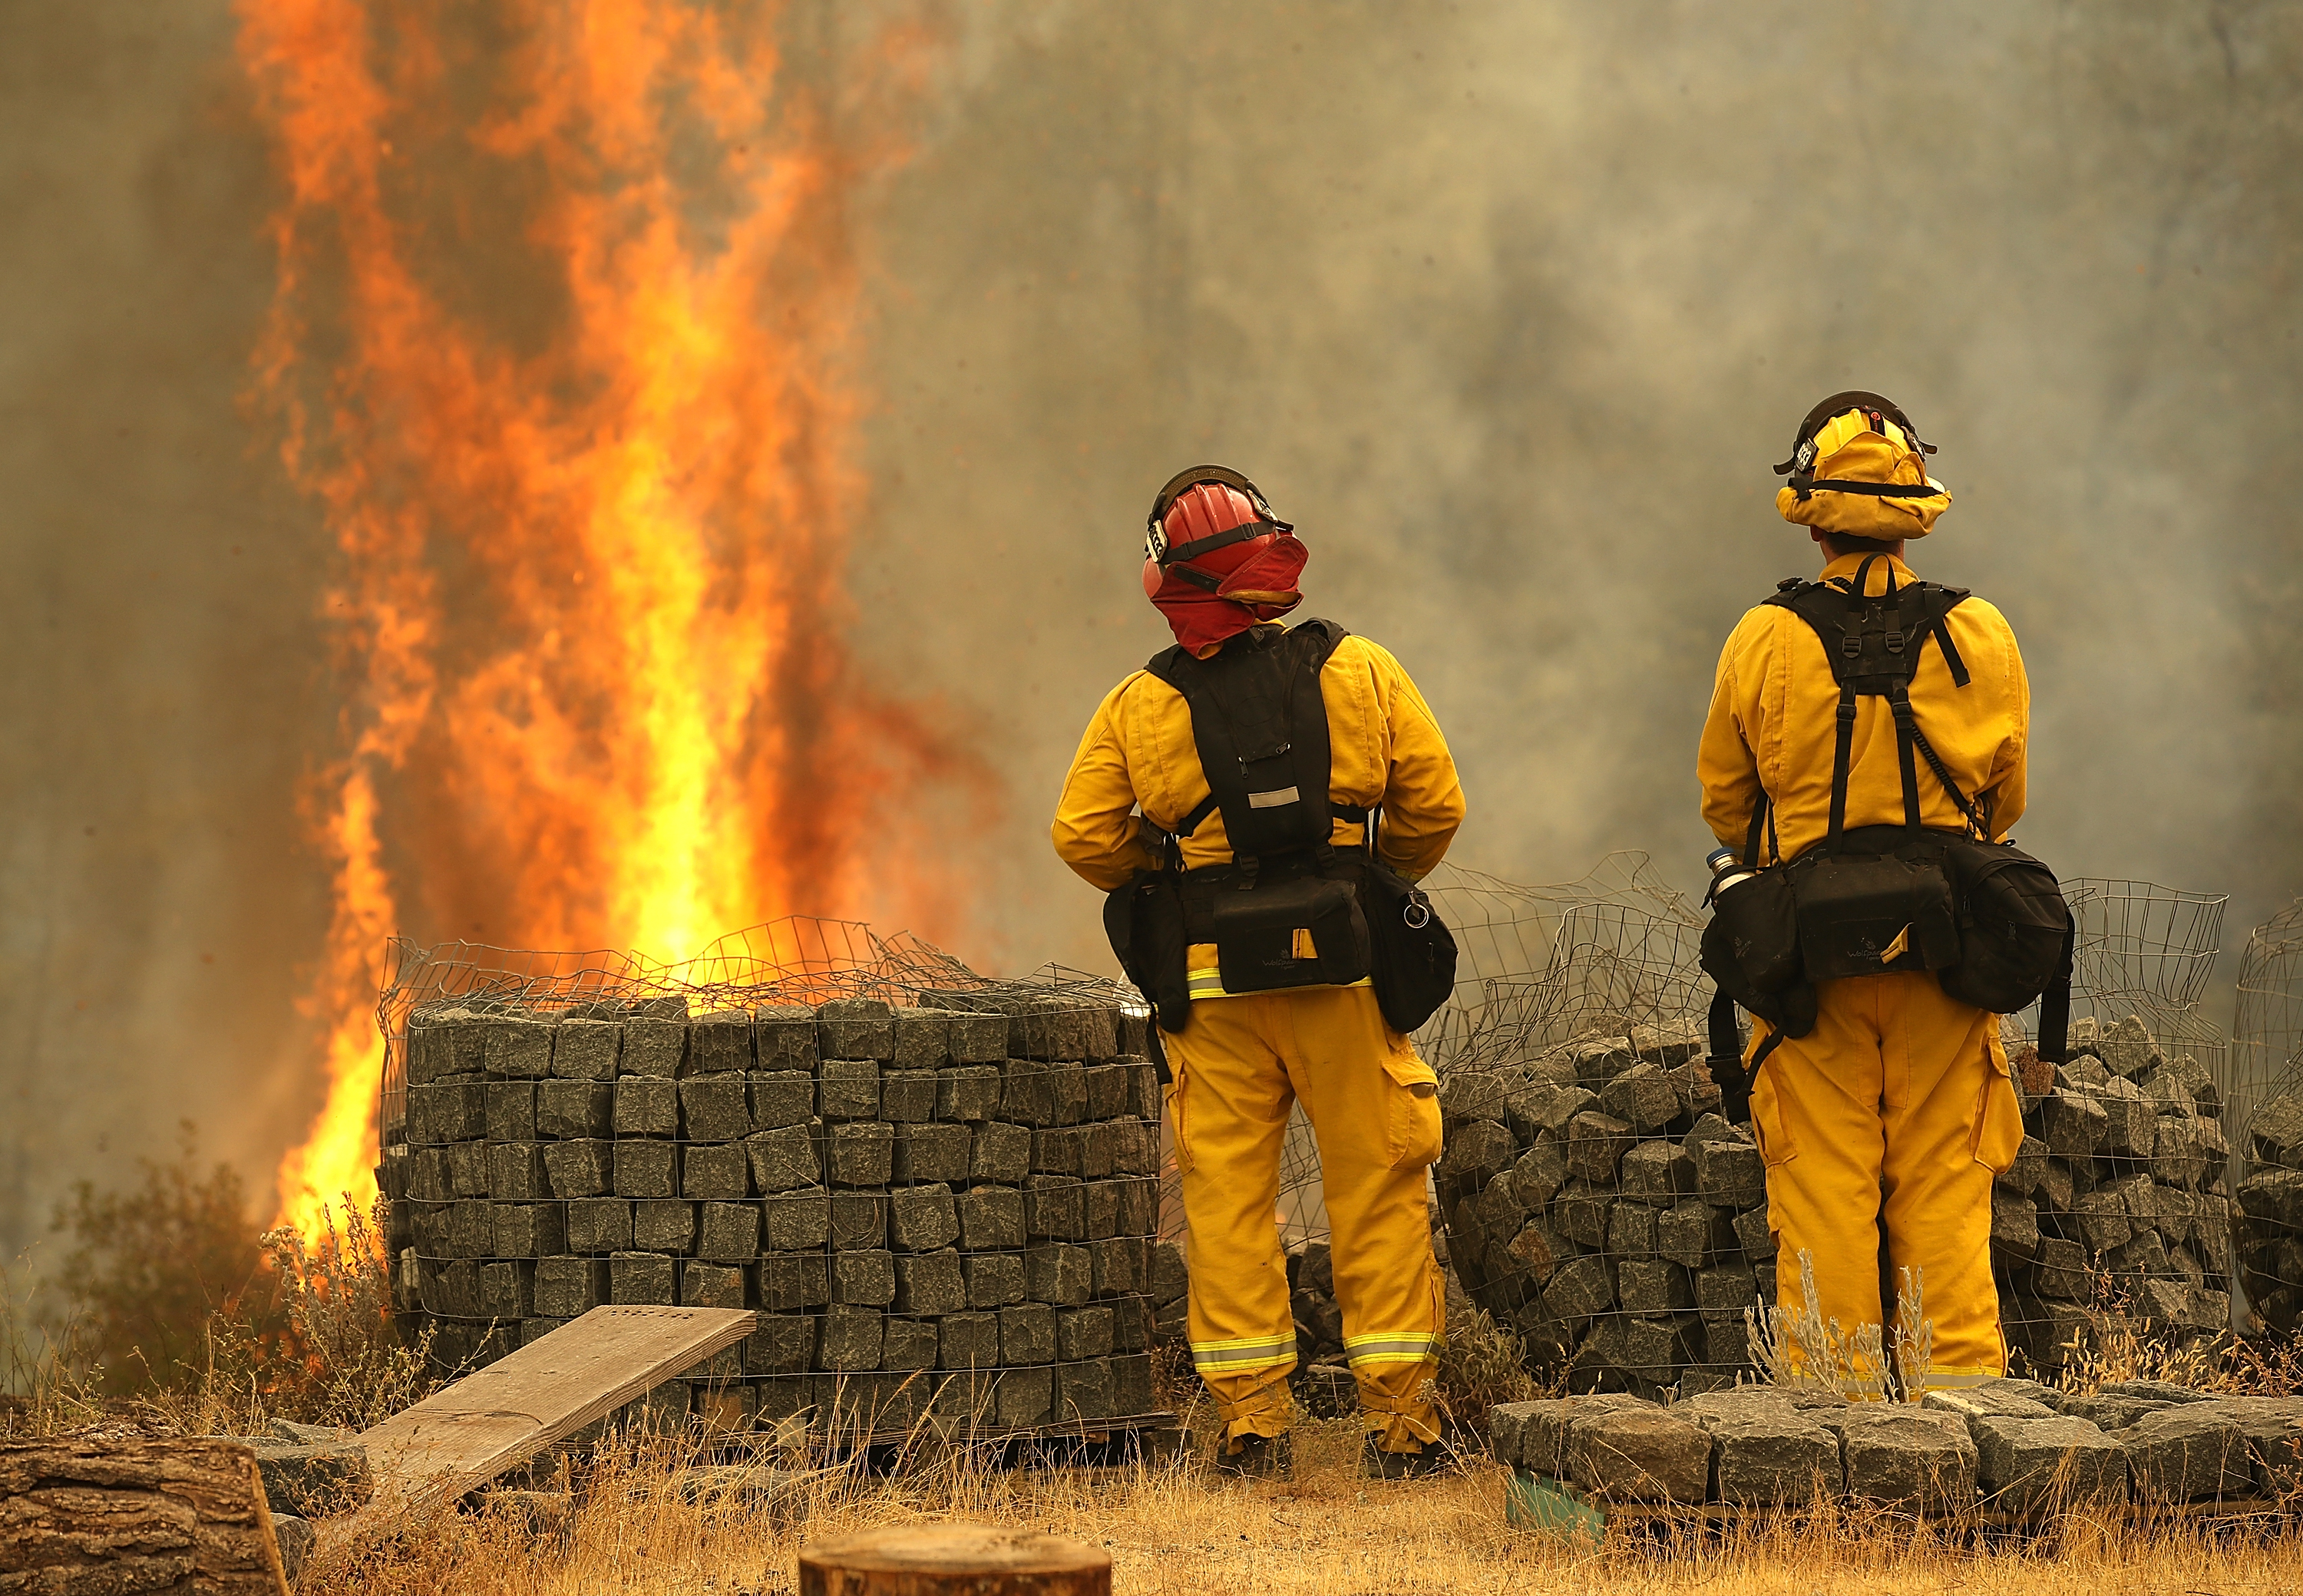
x: 1440, y: 1456
x: 1256, y: 1456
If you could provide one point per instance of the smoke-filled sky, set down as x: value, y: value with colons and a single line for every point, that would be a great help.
x: 1509, y: 307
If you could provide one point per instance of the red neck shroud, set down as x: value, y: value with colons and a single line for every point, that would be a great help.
x: 1256, y: 578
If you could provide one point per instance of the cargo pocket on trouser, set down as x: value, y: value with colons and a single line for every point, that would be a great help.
x: 1412, y: 1122
x: 1173, y: 1096
x: 1770, y: 1129
x: 1998, y: 1112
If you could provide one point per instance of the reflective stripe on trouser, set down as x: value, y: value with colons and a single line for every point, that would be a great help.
x: 1897, y: 1103
x: 1239, y: 1065
x: 1389, y: 1347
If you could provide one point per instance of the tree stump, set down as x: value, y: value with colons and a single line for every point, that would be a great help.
x: 108, y: 1513
x: 953, y: 1559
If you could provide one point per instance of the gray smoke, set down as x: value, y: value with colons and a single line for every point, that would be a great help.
x: 1508, y: 306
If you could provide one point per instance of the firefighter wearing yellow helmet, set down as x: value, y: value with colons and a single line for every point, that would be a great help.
x: 1256, y: 802
x: 1870, y: 729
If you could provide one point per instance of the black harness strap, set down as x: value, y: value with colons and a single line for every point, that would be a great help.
x: 1842, y: 753
x: 1760, y: 816
x: 1873, y: 654
x: 1907, y: 733
x: 1942, y: 628
x: 1200, y: 812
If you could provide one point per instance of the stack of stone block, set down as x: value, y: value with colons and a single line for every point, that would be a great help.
x: 945, y: 1210
x: 2121, y: 1193
x: 1170, y: 1284
x: 2271, y: 1211
x: 1596, y: 1202
x: 2005, y: 1447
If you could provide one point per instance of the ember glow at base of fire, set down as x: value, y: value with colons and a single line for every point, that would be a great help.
x: 564, y: 290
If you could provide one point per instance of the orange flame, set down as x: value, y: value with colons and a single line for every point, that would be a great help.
x: 563, y: 292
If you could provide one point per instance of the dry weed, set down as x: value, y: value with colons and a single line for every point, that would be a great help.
x: 1802, y: 1350
x: 309, y: 1335
x: 1481, y: 1364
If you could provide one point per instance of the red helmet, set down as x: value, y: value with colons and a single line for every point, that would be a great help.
x: 1216, y: 559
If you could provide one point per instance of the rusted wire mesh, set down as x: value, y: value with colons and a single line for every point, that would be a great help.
x: 2267, y: 1090
x: 797, y: 960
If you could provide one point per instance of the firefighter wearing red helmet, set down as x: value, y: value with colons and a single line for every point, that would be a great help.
x: 1248, y: 800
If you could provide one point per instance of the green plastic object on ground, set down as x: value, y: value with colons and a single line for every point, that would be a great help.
x: 1531, y: 1502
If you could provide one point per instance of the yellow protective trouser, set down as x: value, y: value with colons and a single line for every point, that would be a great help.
x: 1899, y: 1102
x: 1239, y: 1065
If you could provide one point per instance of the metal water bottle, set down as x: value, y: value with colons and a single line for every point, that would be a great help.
x: 1727, y: 870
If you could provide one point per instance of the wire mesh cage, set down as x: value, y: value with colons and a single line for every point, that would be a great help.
x: 939, y: 1191
x: 2268, y: 1069
x: 2141, y: 941
x: 2267, y: 1028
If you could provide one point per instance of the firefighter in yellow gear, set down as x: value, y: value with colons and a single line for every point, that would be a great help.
x: 1242, y: 1060
x: 1897, y: 1105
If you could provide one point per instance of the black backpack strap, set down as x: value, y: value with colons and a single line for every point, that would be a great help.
x: 1942, y: 628
x: 1169, y: 665
x: 2055, y: 1003
x: 1725, y: 1063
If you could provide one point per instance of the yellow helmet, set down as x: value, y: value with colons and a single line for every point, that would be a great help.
x: 1857, y: 468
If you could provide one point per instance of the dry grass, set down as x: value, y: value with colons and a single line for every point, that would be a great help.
x: 2122, y: 1345
x: 654, y: 1520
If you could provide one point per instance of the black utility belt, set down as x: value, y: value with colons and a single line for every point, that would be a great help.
x: 1986, y: 918
x: 1364, y: 920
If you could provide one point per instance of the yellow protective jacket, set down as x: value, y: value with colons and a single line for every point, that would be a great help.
x: 1138, y: 754
x: 1774, y: 713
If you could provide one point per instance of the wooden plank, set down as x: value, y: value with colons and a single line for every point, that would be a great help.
x: 504, y: 1414
x: 135, y: 1512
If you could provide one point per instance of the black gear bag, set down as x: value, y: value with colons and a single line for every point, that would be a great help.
x: 1987, y: 918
